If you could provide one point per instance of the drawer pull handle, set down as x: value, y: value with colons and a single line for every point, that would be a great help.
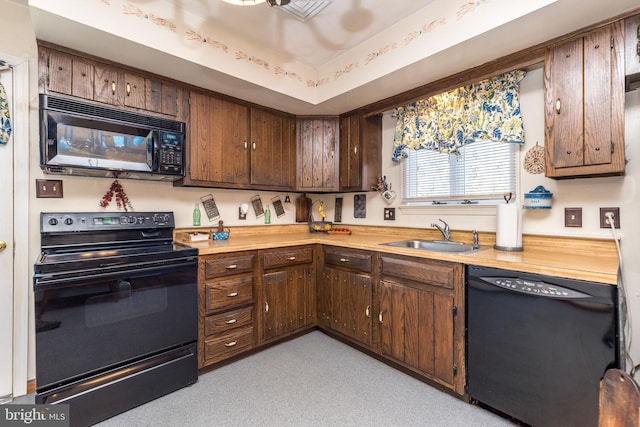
x: 232, y: 267
x: 558, y: 106
x: 113, y: 87
x: 380, y: 317
x: 266, y: 307
x: 291, y: 258
x: 344, y: 259
x: 232, y: 294
x: 128, y: 89
x: 231, y: 321
x: 231, y: 344
x: 367, y: 312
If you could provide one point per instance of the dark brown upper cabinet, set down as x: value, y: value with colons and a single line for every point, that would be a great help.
x: 584, y: 105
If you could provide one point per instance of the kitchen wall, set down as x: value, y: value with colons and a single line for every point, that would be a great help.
x: 84, y: 194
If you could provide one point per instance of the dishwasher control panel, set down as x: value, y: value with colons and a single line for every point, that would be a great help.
x: 534, y: 287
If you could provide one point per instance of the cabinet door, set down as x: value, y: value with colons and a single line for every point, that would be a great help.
x: 360, y: 152
x: 68, y: 74
x: 350, y: 152
x: 584, y: 107
x: 317, y: 154
x: 161, y: 97
x: 350, y: 303
x: 134, y: 91
x: 272, y: 149
x: 106, y: 84
x: 325, y: 315
x: 218, y: 141
x: 275, y: 322
x: 416, y: 328
x: 289, y: 301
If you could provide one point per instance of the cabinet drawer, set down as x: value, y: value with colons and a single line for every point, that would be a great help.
x: 286, y: 256
x: 239, y: 340
x: 349, y: 259
x: 227, y: 266
x: 420, y: 270
x: 228, y: 293
x: 223, y: 322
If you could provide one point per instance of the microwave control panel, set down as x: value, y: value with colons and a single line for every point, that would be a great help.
x: 171, y: 153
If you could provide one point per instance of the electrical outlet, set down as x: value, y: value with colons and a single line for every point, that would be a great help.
x: 48, y: 188
x: 604, y: 221
x: 390, y: 214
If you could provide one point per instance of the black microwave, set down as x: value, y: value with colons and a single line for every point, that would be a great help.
x: 78, y: 138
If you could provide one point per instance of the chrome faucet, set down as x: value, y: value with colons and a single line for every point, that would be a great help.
x: 446, y: 231
x: 475, y: 239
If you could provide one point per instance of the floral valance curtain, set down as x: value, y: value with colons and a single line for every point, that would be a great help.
x: 5, y: 118
x: 485, y: 111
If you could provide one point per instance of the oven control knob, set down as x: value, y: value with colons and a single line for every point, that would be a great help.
x: 68, y: 221
x: 53, y: 221
x: 132, y: 220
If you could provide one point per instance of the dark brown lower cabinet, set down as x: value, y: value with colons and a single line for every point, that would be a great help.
x: 416, y: 328
x: 288, y: 301
x: 345, y: 303
x: 288, y: 291
x: 421, y: 318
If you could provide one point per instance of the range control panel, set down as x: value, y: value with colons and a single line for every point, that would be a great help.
x: 534, y: 287
x: 62, y: 222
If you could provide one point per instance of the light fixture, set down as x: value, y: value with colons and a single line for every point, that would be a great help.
x: 278, y: 2
x: 245, y: 2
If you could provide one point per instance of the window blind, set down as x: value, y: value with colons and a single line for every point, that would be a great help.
x: 483, y: 171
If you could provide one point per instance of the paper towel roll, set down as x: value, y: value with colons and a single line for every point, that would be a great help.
x: 508, y: 227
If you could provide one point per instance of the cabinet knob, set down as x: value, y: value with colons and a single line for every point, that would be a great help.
x: 232, y: 294
x: 380, y: 317
x: 128, y: 89
x: 253, y: 145
x: 568, y: 152
x: 355, y: 150
x: 113, y: 87
x: 367, y: 312
x: 291, y: 258
x: 231, y: 321
x: 597, y: 148
x: 246, y: 144
x: 231, y: 267
x: 231, y: 344
x: 344, y: 260
x: 558, y: 106
x: 266, y: 307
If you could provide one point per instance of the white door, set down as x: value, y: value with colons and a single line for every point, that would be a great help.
x: 6, y: 251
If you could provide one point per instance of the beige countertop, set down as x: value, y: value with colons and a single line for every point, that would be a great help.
x: 577, y: 258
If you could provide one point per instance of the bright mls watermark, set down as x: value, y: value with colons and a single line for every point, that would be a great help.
x: 34, y: 415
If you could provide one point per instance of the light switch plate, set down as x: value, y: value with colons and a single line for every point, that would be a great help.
x: 573, y: 217
x: 48, y: 188
x: 390, y: 214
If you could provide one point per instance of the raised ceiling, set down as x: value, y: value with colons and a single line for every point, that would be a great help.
x: 352, y: 53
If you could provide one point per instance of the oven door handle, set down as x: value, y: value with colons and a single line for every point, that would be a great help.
x: 54, y: 281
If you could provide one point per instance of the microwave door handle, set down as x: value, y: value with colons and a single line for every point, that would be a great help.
x: 153, y: 161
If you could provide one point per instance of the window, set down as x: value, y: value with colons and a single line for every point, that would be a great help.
x: 482, y: 173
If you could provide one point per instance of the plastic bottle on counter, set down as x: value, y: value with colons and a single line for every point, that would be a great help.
x: 196, y: 215
x: 267, y: 215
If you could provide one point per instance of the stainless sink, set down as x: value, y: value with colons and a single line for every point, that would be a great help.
x: 432, y: 245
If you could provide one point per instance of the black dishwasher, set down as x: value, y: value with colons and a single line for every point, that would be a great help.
x: 537, y: 346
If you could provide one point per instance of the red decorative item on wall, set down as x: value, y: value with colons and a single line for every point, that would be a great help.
x: 116, y: 190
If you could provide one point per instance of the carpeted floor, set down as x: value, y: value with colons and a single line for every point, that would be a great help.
x: 310, y: 381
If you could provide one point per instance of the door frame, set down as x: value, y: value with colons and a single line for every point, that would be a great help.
x: 21, y: 193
